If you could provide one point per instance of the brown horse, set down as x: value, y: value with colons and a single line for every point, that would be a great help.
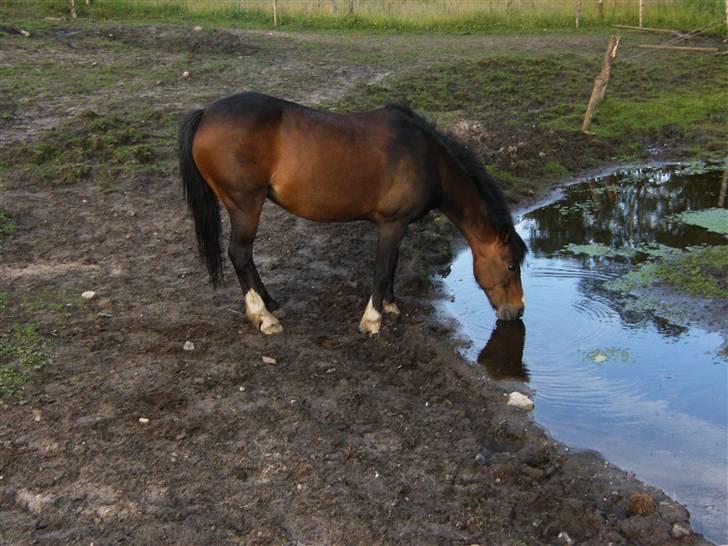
x: 388, y: 166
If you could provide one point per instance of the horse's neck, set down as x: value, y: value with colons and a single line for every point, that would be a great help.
x: 462, y: 204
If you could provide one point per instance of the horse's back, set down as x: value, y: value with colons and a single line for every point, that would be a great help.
x: 319, y: 165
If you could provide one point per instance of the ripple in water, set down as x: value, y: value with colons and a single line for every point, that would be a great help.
x: 651, y: 397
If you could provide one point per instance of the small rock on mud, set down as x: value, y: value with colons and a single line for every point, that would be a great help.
x: 564, y: 538
x: 680, y: 531
x: 519, y: 400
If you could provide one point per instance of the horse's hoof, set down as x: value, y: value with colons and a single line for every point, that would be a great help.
x: 270, y: 325
x: 391, y: 308
x: 370, y: 327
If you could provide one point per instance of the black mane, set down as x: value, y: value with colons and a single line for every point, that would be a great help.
x: 490, y: 192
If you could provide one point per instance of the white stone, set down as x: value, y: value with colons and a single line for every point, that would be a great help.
x: 88, y: 294
x: 188, y: 346
x: 519, y: 400
x: 186, y: 74
x: 269, y: 360
x: 564, y: 538
x: 680, y: 531
x: 198, y: 28
x: 143, y: 420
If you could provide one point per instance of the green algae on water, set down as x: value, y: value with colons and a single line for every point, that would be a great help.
x: 609, y: 354
x: 597, y: 250
x: 715, y: 220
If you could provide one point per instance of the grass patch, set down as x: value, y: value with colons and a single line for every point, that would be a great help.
x: 695, y: 271
x: 56, y: 302
x: 665, y: 113
x: 21, y: 359
x: 392, y: 15
x: 98, y: 146
x: 23, y: 348
x: 554, y: 169
x: 699, y: 272
x: 541, y: 91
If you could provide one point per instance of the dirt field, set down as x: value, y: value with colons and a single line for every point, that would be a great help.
x: 346, y: 439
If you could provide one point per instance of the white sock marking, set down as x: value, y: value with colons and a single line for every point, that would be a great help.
x: 259, y: 316
x: 371, y: 321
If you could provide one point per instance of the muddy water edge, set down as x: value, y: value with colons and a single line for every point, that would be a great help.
x: 616, y: 358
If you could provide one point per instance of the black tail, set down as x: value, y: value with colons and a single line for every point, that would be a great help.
x: 201, y: 200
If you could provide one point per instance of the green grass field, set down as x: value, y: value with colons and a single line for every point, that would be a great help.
x: 405, y: 15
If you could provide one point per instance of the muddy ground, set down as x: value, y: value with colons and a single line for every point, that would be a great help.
x: 346, y: 439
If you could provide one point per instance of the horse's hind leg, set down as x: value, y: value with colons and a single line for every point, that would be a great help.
x: 243, y: 227
x: 390, y: 236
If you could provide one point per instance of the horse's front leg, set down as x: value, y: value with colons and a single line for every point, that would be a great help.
x: 390, y: 236
x: 389, y: 303
x: 243, y: 227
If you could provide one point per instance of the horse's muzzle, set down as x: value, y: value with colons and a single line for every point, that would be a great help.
x: 506, y: 312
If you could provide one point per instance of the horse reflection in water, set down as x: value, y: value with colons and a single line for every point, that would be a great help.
x: 388, y: 166
x: 502, y: 356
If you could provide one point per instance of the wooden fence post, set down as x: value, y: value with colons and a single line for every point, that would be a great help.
x: 642, y: 12
x: 578, y: 13
x: 72, y: 7
x: 275, y: 13
x: 601, y: 9
x: 600, y: 82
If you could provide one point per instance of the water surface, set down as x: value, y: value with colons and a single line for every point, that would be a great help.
x: 649, y: 393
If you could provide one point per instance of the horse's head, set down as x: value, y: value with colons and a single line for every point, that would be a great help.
x: 497, y: 268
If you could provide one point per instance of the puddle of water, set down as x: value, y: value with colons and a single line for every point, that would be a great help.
x: 650, y: 395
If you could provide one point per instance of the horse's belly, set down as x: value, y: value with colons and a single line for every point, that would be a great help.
x: 329, y: 200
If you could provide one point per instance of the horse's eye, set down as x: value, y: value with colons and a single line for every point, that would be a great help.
x: 512, y: 267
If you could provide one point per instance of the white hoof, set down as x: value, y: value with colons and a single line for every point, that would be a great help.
x: 371, y: 322
x: 391, y: 308
x: 259, y: 316
x: 270, y: 325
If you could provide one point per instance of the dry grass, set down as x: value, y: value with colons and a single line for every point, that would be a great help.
x: 442, y: 15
